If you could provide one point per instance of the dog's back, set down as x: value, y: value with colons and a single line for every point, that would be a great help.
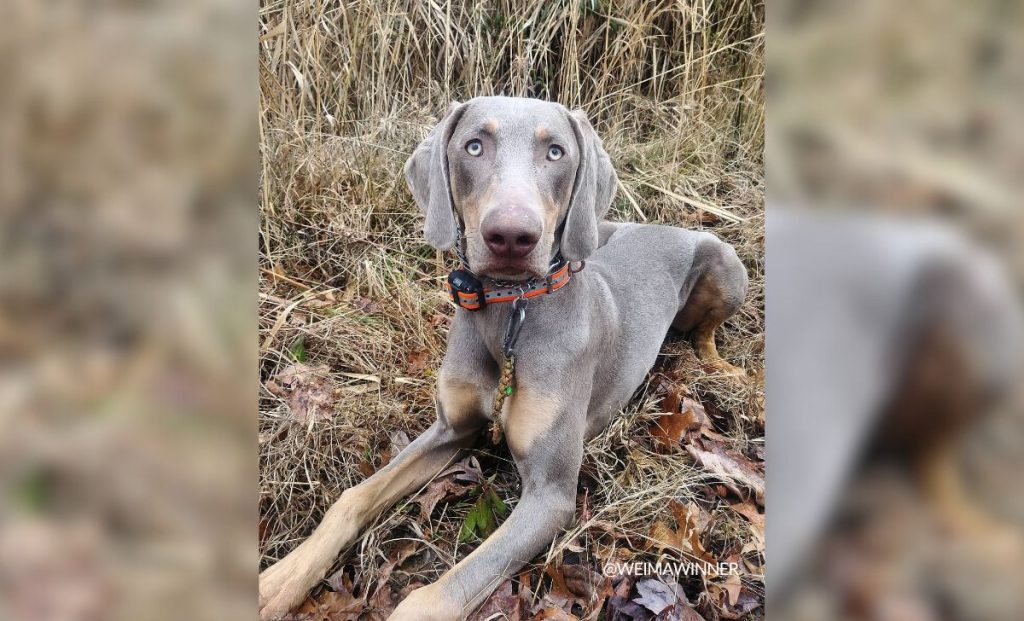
x: 643, y: 278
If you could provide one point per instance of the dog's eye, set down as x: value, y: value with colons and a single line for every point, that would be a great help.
x: 474, y: 148
x: 555, y: 152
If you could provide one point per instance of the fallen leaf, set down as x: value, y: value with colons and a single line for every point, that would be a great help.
x: 409, y: 588
x: 275, y: 389
x: 339, y: 581
x: 686, y: 416
x: 668, y: 429
x: 555, y: 614
x: 670, y: 402
x: 438, y: 490
x: 732, y: 586
x: 696, y: 416
x: 365, y: 468
x: 685, y: 538
x: 467, y: 470
x: 607, y: 528
x: 308, y: 391
x: 735, y: 470
x: 586, y: 584
x: 397, y: 556
x: 746, y: 602
x: 655, y: 595
x: 366, y: 305
x: 622, y: 609
x: 502, y: 604
x: 416, y: 362
x: 381, y: 604
x: 748, y: 510
x: 623, y: 585
x: 383, y: 601
x: 706, y: 217
x: 560, y: 595
x: 687, y: 613
x: 331, y: 606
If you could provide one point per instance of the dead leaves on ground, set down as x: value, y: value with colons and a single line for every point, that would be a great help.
x: 736, y: 472
x: 685, y: 424
x: 504, y: 603
x: 684, y: 538
x: 465, y: 480
x: 652, y: 599
x: 575, y: 585
x: 309, y: 392
x: 455, y: 482
x: 686, y: 427
x: 721, y: 577
x: 344, y: 601
x: 578, y: 593
x: 341, y: 604
x: 680, y: 418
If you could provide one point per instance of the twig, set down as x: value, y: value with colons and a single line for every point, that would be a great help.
x: 718, y: 211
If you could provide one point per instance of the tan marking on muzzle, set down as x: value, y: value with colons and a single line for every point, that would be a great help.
x: 550, y: 211
x: 472, y: 207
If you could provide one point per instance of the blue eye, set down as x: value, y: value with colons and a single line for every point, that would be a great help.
x: 555, y: 152
x: 474, y: 148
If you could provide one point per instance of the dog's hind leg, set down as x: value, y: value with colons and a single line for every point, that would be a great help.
x: 718, y: 293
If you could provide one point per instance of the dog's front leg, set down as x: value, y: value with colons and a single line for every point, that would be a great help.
x: 546, y: 440
x: 285, y: 584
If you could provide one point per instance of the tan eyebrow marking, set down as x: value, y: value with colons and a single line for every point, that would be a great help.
x: 491, y: 126
x: 542, y: 133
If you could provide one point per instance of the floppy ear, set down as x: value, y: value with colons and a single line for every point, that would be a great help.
x: 426, y: 172
x: 592, y: 191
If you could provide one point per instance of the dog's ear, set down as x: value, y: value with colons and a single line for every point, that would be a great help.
x: 592, y: 191
x: 426, y: 172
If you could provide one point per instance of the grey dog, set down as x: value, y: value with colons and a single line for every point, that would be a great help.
x: 528, y: 181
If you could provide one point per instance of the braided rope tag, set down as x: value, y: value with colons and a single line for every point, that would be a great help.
x: 505, y: 389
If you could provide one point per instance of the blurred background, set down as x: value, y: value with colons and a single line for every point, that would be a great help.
x: 127, y: 310
x: 894, y: 153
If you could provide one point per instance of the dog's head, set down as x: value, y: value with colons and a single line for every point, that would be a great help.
x: 527, y: 177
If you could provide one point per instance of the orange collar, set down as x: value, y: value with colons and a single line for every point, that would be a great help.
x: 472, y: 295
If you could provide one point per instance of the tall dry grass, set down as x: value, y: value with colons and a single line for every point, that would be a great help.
x: 347, y: 90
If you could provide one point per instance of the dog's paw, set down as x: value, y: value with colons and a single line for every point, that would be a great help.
x: 721, y: 367
x: 285, y: 584
x: 427, y: 604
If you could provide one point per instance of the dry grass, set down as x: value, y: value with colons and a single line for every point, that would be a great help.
x: 347, y: 90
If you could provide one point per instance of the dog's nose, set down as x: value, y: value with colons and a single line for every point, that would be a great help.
x: 512, y: 233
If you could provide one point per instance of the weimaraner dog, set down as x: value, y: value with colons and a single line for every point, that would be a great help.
x: 528, y: 182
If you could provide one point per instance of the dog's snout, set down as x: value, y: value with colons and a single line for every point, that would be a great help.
x: 511, y: 233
